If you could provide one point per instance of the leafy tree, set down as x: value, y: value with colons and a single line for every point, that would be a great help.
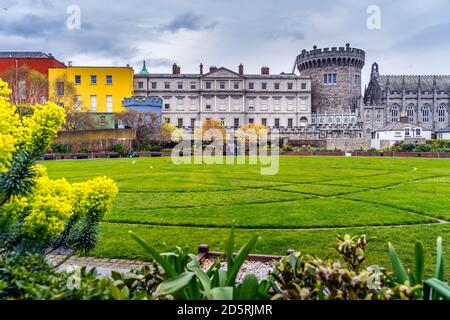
x: 208, y: 127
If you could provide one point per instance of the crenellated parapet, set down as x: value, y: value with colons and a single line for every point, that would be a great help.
x: 342, y: 56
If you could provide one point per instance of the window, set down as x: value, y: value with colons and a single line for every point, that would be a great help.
x: 398, y: 134
x: 180, y: 123
x: 251, y: 120
x: 264, y: 122
x: 357, y: 80
x: 222, y: 104
x: 208, y: 85
x: 277, y: 86
x: 236, y: 85
x: 141, y: 85
x: 290, y: 123
x: 193, y: 86
x: 155, y: 85
x: 251, y: 104
x: 330, y: 78
x: 60, y: 88
x: 290, y: 86
x: 167, y: 106
x: 109, y: 104
x: 237, y: 104
x: 407, y: 132
x: 222, y: 121
x: 410, y: 112
x: 426, y: 114
x: 304, y: 104
x: 180, y: 85
x: 395, y: 113
x: 193, y: 103
x: 93, y: 79
x: 418, y: 132
x: 167, y: 120
x: 102, y: 121
x: 236, y: 123
x: 304, y: 121
x: 277, y: 123
x: 180, y: 104
x: 264, y: 86
x: 222, y: 85
x: 208, y: 105
x: 441, y: 114
x: 78, y: 103
x: 378, y: 117
x: 440, y: 136
x: 109, y: 80
x: 192, y: 123
x: 251, y: 86
x: 77, y: 79
x: 94, y: 103
x: 304, y: 86
x: 368, y: 117
x: 166, y: 85
x: 264, y: 104
x: 276, y: 104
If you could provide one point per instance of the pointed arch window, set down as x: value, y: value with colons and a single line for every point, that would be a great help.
x: 395, y: 113
x: 441, y: 114
x: 426, y: 110
x: 411, y: 113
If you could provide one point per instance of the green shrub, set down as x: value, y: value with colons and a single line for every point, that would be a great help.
x: 408, y: 147
x: 30, y: 277
x: 423, y: 148
x: 84, y: 150
x: 60, y: 148
x: 119, y: 148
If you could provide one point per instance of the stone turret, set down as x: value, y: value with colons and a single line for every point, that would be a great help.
x: 336, y: 77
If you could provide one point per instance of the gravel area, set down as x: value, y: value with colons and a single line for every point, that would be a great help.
x: 262, y: 270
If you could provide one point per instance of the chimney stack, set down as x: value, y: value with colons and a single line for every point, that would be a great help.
x: 70, y: 63
x: 201, y: 68
x: 212, y: 68
x: 241, y: 69
x: 265, y: 70
x: 176, y: 69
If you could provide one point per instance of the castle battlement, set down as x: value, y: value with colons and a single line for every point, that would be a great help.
x: 345, y: 56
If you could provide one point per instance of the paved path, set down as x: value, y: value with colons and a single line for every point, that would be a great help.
x: 103, y: 266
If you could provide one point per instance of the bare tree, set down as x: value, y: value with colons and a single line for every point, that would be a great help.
x: 146, y: 124
x: 78, y: 115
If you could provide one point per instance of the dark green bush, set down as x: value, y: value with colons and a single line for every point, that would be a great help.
x: 84, y: 150
x: 119, y: 148
x: 60, y: 148
x: 408, y: 147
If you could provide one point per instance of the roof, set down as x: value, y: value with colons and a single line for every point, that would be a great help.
x: 144, y: 70
x: 444, y: 130
x: 25, y: 55
x: 411, y: 83
x: 398, y: 126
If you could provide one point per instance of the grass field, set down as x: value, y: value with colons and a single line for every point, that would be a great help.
x: 304, y: 207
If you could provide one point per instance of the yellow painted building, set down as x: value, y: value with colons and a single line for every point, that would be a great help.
x: 91, y: 89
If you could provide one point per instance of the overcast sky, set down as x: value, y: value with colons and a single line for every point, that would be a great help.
x: 413, y: 39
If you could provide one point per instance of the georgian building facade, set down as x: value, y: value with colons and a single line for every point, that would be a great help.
x: 277, y: 101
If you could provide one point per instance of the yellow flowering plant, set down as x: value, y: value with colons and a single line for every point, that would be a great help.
x: 36, y: 212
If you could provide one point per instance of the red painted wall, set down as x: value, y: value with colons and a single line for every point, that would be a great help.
x: 39, y: 64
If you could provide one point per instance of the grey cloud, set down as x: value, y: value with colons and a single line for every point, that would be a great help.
x: 189, y: 21
x: 31, y: 25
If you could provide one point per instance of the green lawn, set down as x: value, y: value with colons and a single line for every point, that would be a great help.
x: 304, y: 207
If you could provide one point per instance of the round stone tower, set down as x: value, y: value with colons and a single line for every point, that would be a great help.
x: 336, y: 77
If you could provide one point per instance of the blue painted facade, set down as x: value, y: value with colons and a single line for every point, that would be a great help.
x: 142, y: 104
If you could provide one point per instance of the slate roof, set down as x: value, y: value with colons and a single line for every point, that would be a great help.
x: 398, y: 126
x: 412, y: 82
x: 444, y: 130
x: 24, y: 54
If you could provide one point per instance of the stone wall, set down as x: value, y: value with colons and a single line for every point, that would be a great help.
x: 96, y: 140
x: 348, y: 145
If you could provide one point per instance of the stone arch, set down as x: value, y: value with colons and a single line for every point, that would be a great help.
x: 303, y: 121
